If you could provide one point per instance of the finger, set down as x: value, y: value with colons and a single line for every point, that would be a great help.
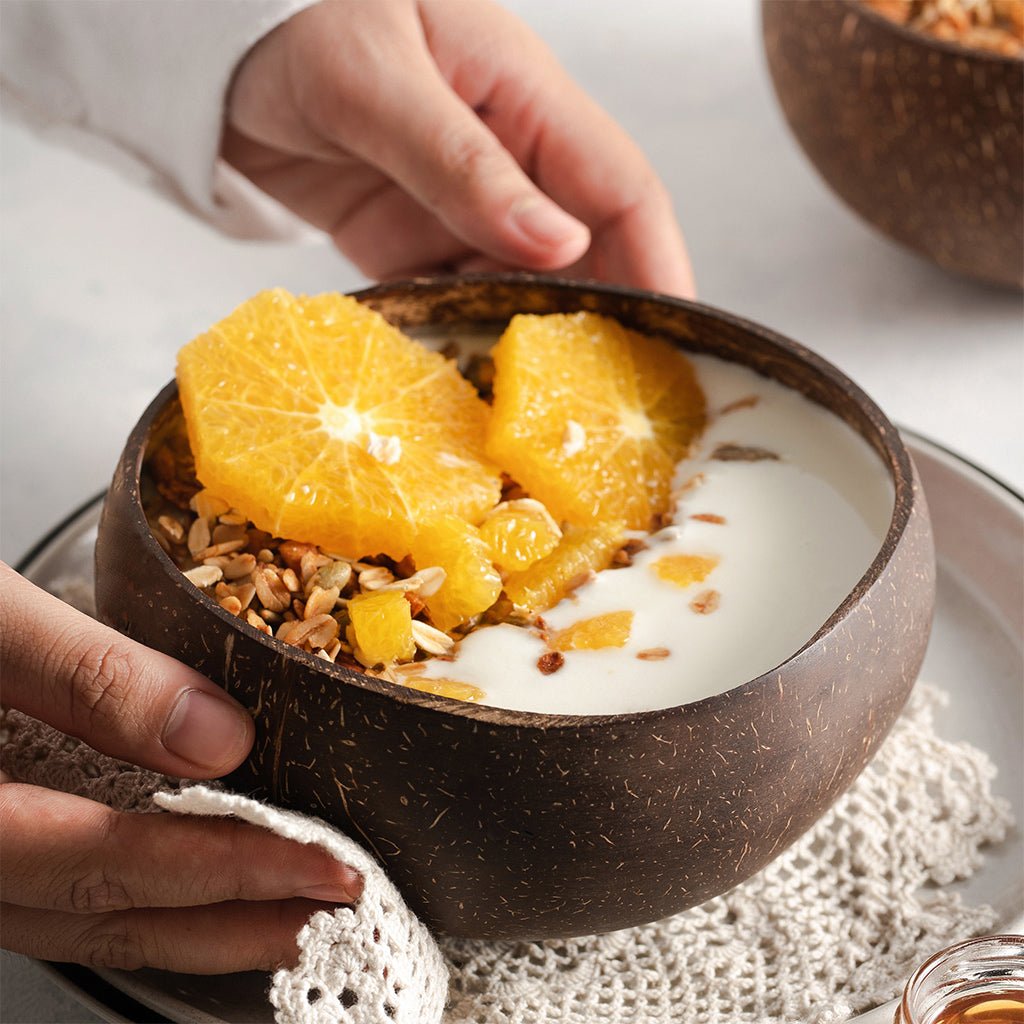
x: 217, y: 939
x: 63, y: 852
x: 438, y: 150
x: 575, y: 151
x: 125, y: 700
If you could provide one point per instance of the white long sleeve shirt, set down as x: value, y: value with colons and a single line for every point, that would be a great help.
x: 149, y: 78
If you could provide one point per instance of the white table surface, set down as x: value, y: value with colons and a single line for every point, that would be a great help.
x: 101, y: 280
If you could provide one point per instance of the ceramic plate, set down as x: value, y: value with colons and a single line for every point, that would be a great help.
x: 976, y: 655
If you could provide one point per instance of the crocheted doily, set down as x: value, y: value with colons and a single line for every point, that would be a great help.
x: 832, y: 927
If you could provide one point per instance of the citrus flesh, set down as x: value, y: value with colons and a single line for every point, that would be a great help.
x: 591, y: 418
x: 324, y: 423
x: 684, y: 570
x: 519, y: 533
x: 381, y: 627
x: 581, y: 551
x: 609, y: 630
x: 471, y: 584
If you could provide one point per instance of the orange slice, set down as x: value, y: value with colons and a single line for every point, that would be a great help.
x: 323, y: 423
x: 519, y: 532
x: 591, y: 418
x: 608, y: 630
x: 684, y: 570
x: 580, y: 552
x: 471, y: 583
x: 382, y: 627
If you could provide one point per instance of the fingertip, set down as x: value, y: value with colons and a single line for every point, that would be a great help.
x: 211, y: 732
x: 557, y: 238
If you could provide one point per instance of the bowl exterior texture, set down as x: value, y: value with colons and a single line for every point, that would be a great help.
x: 924, y: 139
x: 497, y: 824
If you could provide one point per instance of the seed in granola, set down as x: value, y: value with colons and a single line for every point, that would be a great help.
x: 653, y: 654
x: 203, y: 575
x: 310, y: 563
x: 430, y: 639
x: 705, y: 602
x: 333, y: 574
x: 198, y: 536
x: 550, y: 662
x: 172, y: 529
x: 265, y: 555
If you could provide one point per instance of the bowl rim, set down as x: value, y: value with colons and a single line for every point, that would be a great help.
x: 928, y: 42
x: 898, y: 464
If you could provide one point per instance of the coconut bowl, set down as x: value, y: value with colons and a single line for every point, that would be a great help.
x: 501, y: 824
x: 921, y: 137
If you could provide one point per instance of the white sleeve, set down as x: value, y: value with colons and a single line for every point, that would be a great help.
x: 150, y: 78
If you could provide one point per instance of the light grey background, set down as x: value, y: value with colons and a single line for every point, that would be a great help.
x: 101, y: 280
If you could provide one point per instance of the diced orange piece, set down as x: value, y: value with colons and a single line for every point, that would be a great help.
x: 609, y: 630
x: 323, y: 423
x: 591, y: 418
x: 471, y: 584
x: 684, y: 570
x: 382, y: 627
x: 581, y: 551
x: 443, y: 687
x: 519, y: 532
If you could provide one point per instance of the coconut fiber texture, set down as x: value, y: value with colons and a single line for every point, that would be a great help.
x: 832, y: 927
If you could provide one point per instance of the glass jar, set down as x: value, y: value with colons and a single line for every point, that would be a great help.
x: 980, y: 981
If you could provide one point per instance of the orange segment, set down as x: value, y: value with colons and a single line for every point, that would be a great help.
x: 684, y: 570
x: 519, y: 532
x: 609, y: 630
x: 382, y: 627
x: 591, y: 418
x: 443, y: 687
x: 471, y: 584
x: 580, y: 552
x: 323, y: 423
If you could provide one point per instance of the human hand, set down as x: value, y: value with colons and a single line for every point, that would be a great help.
x: 86, y: 884
x: 430, y: 135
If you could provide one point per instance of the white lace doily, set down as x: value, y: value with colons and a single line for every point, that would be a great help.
x: 830, y: 928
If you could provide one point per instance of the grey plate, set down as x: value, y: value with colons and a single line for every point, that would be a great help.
x: 976, y: 655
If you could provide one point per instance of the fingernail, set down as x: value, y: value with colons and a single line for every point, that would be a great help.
x: 328, y: 894
x: 207, y: 731
x: 545, y: 222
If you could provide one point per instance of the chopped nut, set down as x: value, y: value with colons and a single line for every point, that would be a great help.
x: 374, y: 577
x: 653, y: 654
x: 273, y: 594
x: 231, y: 604
x: 239, y: 566
x: 430, y: 639
x: 257, y: 623
x: 551, y: 662
x: 321, y: 601
x: 172, y: 529
x: 705, y: 602
x: 198, y: 536
x: 204, y: 575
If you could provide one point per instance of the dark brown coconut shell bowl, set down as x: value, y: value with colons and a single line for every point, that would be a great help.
x: 923, y: 138
x: 503, y: 824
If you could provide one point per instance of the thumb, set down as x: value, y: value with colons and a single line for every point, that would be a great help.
x: 446, y: 158
x: 125, y: 700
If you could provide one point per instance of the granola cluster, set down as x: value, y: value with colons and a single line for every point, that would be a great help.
x: 995, y: 25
